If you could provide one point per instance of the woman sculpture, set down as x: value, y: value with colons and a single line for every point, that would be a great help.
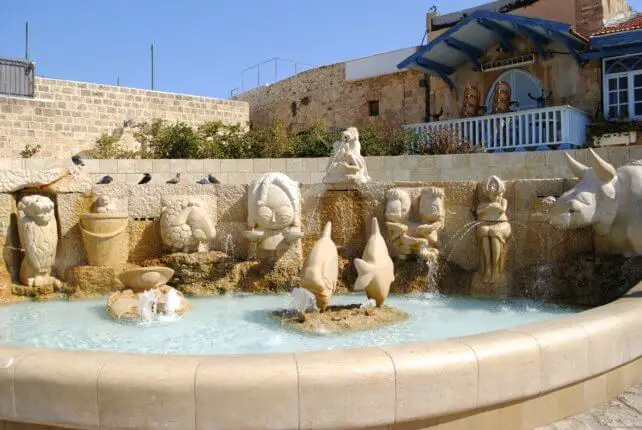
x: 494, y: 228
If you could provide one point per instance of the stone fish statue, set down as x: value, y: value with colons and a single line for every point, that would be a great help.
x: 347, y: 165
x: 375, y: 268
x: 39, y: 238
x: 321, y: 270
x: 186, y: 226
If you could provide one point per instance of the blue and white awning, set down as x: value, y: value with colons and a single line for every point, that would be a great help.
x: 467, y: 41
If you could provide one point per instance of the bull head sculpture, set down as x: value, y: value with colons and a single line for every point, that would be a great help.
x: 592, y: 201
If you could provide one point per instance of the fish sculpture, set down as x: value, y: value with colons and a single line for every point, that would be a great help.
x: 321, y: 269
x: 376, y: 270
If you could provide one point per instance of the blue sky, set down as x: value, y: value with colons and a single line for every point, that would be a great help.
x: 203, y: 46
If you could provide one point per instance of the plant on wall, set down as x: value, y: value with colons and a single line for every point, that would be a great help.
x: 29, y: 151
x: 438, y: 142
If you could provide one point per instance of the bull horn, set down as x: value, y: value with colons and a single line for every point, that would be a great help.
x: 603, y: 169
x: 578, y: 169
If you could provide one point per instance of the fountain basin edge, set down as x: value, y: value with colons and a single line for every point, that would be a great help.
x: 515, y: 378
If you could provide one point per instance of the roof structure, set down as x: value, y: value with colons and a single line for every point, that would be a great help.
x: 622, y: 38
x: 467, y: 41
x: 501, y: 6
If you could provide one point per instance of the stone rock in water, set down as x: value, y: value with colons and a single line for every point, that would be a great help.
x: 375, y: 268
x: 321, y: 270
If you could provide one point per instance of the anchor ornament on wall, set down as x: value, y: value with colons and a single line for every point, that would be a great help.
x: 543, y: 99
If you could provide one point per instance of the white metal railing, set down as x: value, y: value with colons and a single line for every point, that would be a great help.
x: 560, y: 127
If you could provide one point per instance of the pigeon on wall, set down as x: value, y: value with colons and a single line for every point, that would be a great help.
x: 77, y: 160
x: 175, y: 180
x: 105, y: 180
x: 212, y: 179
x: 145, y: 179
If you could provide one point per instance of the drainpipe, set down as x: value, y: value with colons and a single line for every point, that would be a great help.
x: 429, y: 16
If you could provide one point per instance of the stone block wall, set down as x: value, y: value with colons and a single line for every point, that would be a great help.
x: 464, y: 167
x: 324, y: 93
x: 66, y: 117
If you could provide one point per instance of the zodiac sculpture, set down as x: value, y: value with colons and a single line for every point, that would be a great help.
x: 274, y: 212
x: 186, y: 226
x: 494, y: 229
x: 321, y: 270
x: 376, y: 270
x: 607, y: 199
x: 407, y: 237
x: 39, y: 237
x: 347, y: 165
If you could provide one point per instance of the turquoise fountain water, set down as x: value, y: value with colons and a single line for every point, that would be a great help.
x: 239, y: 324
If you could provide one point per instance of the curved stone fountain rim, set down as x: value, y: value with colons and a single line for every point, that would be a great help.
x: 423, y: 382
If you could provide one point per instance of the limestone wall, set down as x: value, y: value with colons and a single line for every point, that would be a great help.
x: 473, y: 167
x: 66, y: 117
x: 324, y: 93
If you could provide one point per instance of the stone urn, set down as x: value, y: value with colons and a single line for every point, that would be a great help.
x: 103, y: 235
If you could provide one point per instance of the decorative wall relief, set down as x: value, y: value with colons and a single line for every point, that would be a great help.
x: 607, y: 199
x: 186, y: 225
x: 493, y: 231
x: 375, y: 268
x: 104, y: 234
x: 39, y: 238
x: 321, y: 269
x: 347, y: 165
x: 414, y: 237
x: 274, y: 213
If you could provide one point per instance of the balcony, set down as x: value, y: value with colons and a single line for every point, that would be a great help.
x: 560, y: 127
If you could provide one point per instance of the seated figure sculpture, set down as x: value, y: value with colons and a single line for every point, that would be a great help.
x: 494, y: 229
x: 274, y: 213
x: 39, y: 238
x: 347, y: 165
x: 408, y: 237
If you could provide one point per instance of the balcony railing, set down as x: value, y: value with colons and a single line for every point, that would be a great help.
x: 16, y: 77
x: 560, y: 127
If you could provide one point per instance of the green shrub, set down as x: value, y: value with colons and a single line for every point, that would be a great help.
x: 437, y: 142
x: 29, y: 151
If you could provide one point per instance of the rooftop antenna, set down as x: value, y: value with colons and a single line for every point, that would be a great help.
x: 152, y: 51
x: 27, y: 40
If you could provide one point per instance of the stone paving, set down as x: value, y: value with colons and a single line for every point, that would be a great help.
x: 623, y: 412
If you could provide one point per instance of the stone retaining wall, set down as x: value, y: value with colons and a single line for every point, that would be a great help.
x: 66, y: 117
x: 469, y: 167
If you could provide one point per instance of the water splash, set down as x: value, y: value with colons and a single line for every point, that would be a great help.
x: 147, y: 305
x: 229, y: 247
x: 302, y: 300
x: 368, y: 304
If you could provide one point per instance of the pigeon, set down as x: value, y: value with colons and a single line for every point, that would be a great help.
x: 77, y: 160
x: 175, y: 180
x: 212, y: 179
x: 105, y: 180
x: 145, y: 179
x: 204, y: 181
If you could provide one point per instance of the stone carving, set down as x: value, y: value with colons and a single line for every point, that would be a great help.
x: 347, y: 165
x: 104, y: 234
x: 274, y: 212
x: 19, y: 179
x: 39, y: 237
x: 186, y: 226
x: 321, y: 269
x: 607, y: 199
x: 494, y: 229
x: 407, y: 237
x: 146, y: 295
x: 375, y: 268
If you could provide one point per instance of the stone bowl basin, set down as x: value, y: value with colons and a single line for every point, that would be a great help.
x: 145, y: 278
x: 292, y: 236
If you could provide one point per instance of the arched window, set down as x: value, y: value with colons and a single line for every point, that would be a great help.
x: 521, y: 83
